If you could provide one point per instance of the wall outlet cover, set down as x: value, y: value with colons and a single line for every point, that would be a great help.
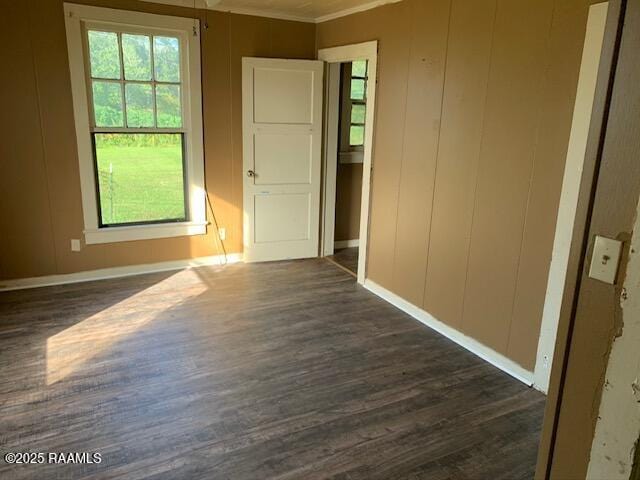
x: 605, y: 259
x: 75, y: 245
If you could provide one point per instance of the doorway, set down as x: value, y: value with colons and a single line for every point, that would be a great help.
x: 350, y: 156
x: 349, y: 116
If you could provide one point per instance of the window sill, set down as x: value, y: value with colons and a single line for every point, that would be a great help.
x: 144, y: 232
x: 351, y: 157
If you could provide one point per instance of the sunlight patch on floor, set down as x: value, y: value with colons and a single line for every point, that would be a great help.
x: 68, y: 351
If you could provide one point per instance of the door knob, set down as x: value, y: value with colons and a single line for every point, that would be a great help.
x: 251, y: 173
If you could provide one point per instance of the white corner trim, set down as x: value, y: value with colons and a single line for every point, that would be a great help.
x: 349, y: 53
x: 352, y: 10
x: 330, y: 143
x: 117, y: 272
x: 346, y: 243
x: 494, y: 358
x: 585, y: 94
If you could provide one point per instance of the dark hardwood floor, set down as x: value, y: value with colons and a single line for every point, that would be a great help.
x: 281, y: 370
x: 347, y: 257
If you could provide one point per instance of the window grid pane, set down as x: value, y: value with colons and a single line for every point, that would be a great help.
x: 357, y: 89
x: 166, y: 51
x: 356, y: 135
x: 358, y: 113
x: 149, y: 82
x: 104, y: 55
x: 168, y: 106
x: 107, y: 104
x: 359, y: 69
x: 139, y: 101
x: 136, y: 52
x: 358, y: 103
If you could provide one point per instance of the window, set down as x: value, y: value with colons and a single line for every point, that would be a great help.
x: 358, y: 97
x: 137, y: 104
x: 353, y: 111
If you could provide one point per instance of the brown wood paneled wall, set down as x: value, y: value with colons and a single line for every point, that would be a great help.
x: 40, y: 204
x: 348, y: 201
x: 427, y: 57
x: 473, y: 118
x: 469, y: 52
x: 511, y: 121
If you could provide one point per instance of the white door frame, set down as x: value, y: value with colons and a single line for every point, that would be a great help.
x: 585, y: 95
x: 348, y: 53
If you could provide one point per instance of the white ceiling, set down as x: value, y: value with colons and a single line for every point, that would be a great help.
x: 303, y: 10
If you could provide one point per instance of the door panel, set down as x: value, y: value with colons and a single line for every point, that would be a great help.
x: 281, y: 217
x: 283, y: 159
x: 283, y: 95
x: 282, y: 133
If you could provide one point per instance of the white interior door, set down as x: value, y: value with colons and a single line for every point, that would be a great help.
x: 282, y: 135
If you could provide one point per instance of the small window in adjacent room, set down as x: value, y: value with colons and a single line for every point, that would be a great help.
x: 358, y: 98
x: 353, y: 108
x: 137, y: 104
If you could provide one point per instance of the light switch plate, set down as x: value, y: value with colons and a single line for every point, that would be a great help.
x: 75, y: 245
x: 605, y: 259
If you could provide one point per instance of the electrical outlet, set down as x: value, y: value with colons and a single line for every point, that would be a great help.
x: 75, y: 245
x: 223, y: 233
x: 605, y: 260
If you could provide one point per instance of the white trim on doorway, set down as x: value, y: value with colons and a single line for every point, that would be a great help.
x: 335, y: 55
x: 331, y: 121
x: 585, y: 95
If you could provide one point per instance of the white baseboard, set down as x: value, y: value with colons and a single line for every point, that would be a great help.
x: 115, y: 272
x: 482, y: 351
x: 346, y: 243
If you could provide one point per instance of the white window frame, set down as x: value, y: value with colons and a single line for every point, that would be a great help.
x: 350, y: 153
x: 188, y: 31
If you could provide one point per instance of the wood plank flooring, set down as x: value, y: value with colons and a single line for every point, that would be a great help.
x: 283, y: 370
x: 347, y: 257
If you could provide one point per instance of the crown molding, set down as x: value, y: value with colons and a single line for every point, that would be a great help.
x: 256, y: 12
x: 280, y: 15
x: 214, y: 6
x: 181, y: 3
x: 350, y: 11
